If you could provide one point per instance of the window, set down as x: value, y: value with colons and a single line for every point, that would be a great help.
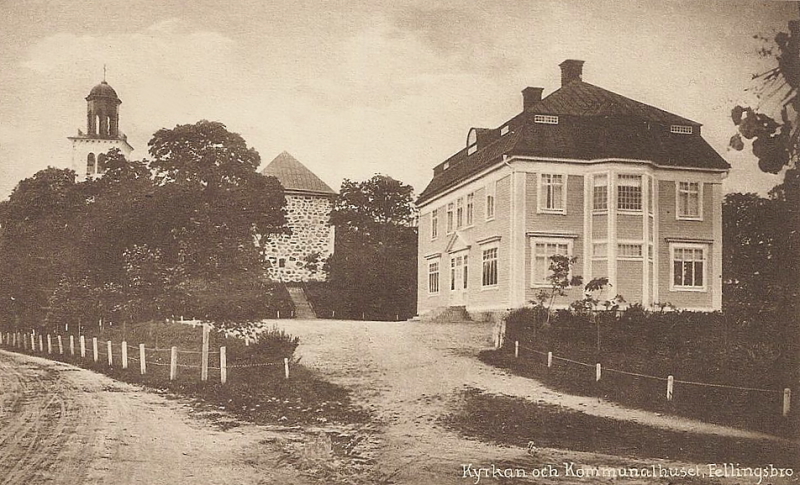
x: 552, y: 193
x: 600, y: 250
x: 650, y: 251
x: 489, y: 267
x: 541, y: 250
x: 434, y: 223
x: 629, y: 193
x: 689, y: 200
x: 490, y: 190
x: 459, y: 272
x: 459, y: 212
x: 651, y: 198
x: 90, y: 164
x: 433, y: 277
x: 470, y: 208
x: 545, y: 119
x: 101, y: 163
x: 629, y: 251
x: 688, y: 267
x: 600, y: 193
x: 449, y: 218
x: 282, y: 262
x: 504, y: 130
x: 681, y: 129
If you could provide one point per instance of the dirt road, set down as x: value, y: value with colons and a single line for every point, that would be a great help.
x: 409, y: 372
x: 62, y: 425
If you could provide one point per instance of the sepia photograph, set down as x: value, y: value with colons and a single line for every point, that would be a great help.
x: 399, y: 242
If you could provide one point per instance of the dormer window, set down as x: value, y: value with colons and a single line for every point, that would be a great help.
x: 446, y: 165
x: 681, y: 129
x: 504, y: 130
x: 472, y: 141
x: 546, y: 119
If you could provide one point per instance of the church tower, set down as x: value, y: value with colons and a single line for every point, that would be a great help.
x: 102, y: 133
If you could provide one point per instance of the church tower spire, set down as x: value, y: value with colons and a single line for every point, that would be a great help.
x: 102, y: 132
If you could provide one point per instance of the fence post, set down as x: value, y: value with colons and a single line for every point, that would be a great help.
x: 124, y: 346
x: 60, y: 345
x: 41, y: 343
x: 516, y: 349
x: 94, y: 349
x: 670, y: 384
x: 787, y: 401
x: 204, y: 355
x: 110, y: 354
x: 142, y: 363
x: 83, y: 346
x: 598, y: 373
x: 173, y: 363
x: 72, y: 345
x: 549, y: 359
x: 223, y: 365
x: 49, y: 344
x: 286, y: 366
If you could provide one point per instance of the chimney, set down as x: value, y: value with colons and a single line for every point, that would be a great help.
x: 571, y: 70
x: 531, y: 96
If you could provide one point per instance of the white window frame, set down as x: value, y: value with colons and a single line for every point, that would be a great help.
x: 434, y: 224
x: 595, y: 256
x: 681, y: 129
x: 683, y: 217
x: 470, y: 210
x: 705, y: 248
x: 608, y: 191
x: 504, y: 130
x: 622, y: 257
x: 545, y: 119
x: 541, y: 194
x: 438, y: 274
x: 450, y: 221
x: 629, y: 176
x: 543, y: 283
x: 462, y: 269
x: 484, y: 249
x: 491, y: 200
x: 459, y: 213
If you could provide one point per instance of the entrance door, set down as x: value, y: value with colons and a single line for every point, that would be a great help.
x: 459, y: 278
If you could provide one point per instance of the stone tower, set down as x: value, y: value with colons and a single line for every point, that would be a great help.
x: 102, y: 133
x: 308, y: 207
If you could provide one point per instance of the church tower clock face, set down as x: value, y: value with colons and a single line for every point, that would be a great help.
x: 89, y: 148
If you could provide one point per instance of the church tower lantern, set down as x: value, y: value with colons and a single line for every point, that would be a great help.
x: 102, y: 133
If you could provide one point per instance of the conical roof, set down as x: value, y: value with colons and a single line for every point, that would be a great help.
x: 295, y: 177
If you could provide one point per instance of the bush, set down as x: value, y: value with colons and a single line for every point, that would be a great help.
x: 273, y: 344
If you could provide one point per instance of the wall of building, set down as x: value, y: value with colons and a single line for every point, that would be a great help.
x: 670, y: 228
x: 307, y: 216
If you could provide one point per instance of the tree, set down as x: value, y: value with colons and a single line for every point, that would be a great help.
x: 217, y: 203
x: 775, y: 143
x: 373, y: 270
x: 39, y: 243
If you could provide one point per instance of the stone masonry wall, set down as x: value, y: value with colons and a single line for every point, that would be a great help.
x: 307, y: 217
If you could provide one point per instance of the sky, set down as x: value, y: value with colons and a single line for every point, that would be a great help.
x: 353, y: 88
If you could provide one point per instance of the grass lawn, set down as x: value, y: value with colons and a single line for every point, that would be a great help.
x: 256, y: 388
x: 516, y: 421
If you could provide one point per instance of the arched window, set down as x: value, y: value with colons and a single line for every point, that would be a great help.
x: 101, y: 163
x: 90, y: 164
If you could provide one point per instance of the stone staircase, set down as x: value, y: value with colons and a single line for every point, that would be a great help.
x: 302, y: 307
x: 449, y: 314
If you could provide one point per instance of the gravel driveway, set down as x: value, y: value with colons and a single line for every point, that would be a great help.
x: 409, y: 373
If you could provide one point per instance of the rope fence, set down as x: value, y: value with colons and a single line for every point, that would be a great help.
x: 94, y: 349
x: 670, y: 380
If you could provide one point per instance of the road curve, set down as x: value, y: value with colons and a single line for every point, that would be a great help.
x: 64, y: 425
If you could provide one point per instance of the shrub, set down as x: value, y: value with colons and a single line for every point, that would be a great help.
x: 273, y: 344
